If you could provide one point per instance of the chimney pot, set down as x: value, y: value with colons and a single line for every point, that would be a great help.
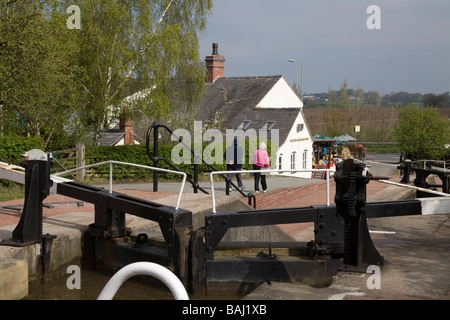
x: 215, y: 64
x: 215, y: 47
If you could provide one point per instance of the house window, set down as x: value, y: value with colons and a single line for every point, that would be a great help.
x: 280, y: 161
x: 293, y: 160
x: 244, y: 125
x: 305, y: 155
x: 300, y: 127
x: 268, y: 125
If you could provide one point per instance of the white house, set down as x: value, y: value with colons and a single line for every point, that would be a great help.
x: 295, y: 150
x: 260, y: 103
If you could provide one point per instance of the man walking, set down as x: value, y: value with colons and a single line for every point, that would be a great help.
x: 233, y: 156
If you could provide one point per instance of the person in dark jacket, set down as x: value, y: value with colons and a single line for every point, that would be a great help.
x: 233, y: 156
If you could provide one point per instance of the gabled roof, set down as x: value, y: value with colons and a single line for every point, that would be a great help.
x: 238, y: 98
x: 111, y: 137
x: 237, y: 92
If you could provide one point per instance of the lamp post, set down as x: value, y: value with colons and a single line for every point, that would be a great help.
x: 301, y: 79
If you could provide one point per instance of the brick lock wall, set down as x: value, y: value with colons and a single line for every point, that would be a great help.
x: 302, y: 196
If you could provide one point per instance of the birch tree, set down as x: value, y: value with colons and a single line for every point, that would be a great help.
x: 151, y: 46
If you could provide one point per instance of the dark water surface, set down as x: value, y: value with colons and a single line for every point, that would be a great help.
x: 93, y: 282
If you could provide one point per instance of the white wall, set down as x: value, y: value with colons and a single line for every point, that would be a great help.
x: 296, y: 142
x: 122, y: 141
x: 281, y: 96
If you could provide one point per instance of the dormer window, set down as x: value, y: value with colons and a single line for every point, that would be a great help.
x: 244, y: 125
x: 268, y: 125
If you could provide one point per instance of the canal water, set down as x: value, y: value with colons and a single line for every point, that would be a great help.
x: 93, y: 282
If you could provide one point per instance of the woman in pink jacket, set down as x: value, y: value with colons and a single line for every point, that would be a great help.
x: 260, y: 160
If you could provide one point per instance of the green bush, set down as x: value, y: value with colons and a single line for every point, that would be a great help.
x: 423, y: 133
x: 137, y: 154
x: 13, y: 147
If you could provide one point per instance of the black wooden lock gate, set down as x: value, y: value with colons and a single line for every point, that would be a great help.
x: 341, y: 238
x: 422, y: 175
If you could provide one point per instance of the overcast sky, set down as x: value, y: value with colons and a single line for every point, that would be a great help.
x: 411, y: 51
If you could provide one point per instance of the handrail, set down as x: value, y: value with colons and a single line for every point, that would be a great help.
x: 144, y: 268
x: 270, y: 171
x: 155, y: 158
x: 428, y: 160
x: 442, y: 194
x: 111, y: 162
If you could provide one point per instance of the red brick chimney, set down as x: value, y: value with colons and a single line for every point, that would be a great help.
x: 215, y: 64
x: 127, y: 125
x: 129, y: 138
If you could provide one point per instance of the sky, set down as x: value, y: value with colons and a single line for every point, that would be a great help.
x: 331, y: 39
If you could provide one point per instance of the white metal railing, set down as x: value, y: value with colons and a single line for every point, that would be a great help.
x: 144, y: 268
x: 112, y: 162
x: 327, y: 171
x: 427, y: 160
x: 441, y: 194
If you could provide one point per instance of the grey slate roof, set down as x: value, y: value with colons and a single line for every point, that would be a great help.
x: 238, y: 98
x: 111, y: 137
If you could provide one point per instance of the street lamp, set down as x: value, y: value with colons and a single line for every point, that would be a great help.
x: 301, y: 80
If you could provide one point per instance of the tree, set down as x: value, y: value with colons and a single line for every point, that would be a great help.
x: 36, y: 67
x: 148, y: 43
x: 297, y: 89
x: 422, y: 132
x: 340, y: 115
x: 434, y: 101
x: 344, y: 101
x: 332, y: 115
x: 373, y: 98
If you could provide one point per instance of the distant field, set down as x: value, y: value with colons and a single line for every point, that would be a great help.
x: 375, y: 123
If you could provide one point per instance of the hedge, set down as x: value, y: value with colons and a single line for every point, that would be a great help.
x: 13, y: 147
x: 137, y: 154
